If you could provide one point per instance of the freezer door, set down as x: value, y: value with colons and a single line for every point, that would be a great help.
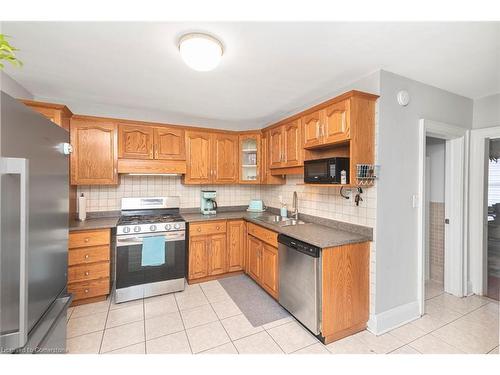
x: 26, y: 135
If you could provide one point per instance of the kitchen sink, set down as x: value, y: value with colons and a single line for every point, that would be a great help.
x: 288, y: 222
x: 279, y: 220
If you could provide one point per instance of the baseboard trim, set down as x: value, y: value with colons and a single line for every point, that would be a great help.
x: 393, y: 318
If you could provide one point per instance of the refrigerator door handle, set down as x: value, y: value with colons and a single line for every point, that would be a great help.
x: 19, y: 166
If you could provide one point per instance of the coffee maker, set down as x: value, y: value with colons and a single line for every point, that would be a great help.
x: 208, y: 203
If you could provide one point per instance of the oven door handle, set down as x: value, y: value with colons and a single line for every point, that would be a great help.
x: 138, y: 240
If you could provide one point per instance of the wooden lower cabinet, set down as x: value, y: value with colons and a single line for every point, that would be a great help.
x: 345, y: 290
x: 216, y: 254
x: 270, y: 270
x: 263, y: 264
x: 89, y: 265
x: 236, y: 233
x: 198, y: 257
x: 254, y: 247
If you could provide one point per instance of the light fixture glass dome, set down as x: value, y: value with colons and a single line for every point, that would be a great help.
x: 200, y: 52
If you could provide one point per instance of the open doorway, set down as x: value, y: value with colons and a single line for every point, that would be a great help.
x: 446, y: 189
x: 435, y: 217
x: 492, y: 260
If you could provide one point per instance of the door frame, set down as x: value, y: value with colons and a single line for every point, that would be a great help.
x: 457, y: 153
x: 478, y: 207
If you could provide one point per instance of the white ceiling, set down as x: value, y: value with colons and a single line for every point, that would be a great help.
x: 268, y: 69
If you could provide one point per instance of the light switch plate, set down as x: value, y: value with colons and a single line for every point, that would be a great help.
x: 414, y: 200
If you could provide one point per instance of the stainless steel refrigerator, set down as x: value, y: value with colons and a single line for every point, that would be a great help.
x: 34, y: 231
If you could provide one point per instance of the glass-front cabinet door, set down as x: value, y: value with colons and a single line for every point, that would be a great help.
x: 250, y: 158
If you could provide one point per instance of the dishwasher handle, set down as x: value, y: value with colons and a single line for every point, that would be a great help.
x: 300, y: 246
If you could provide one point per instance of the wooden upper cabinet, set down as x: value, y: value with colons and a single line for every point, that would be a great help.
x: 169, y: 143
x: 270, y: 266
x: 95, y: 152
x: 198, y: 157
x: 217, y: 254
x: 335, y: 127
x: 327, y: 126
x: 293, y: 144
x: 235, y: 245
x: 135, y: 142
x: 276, y: 144
x: 311, y: 129
x: 250, y: 156
x: 225, y: 158
x: 57, y: 113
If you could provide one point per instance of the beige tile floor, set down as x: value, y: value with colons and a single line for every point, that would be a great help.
x: 204, y: 319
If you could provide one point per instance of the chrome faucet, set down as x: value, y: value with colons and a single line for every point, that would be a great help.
x: 295, y: 206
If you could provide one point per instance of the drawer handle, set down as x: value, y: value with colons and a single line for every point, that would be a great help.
x: 87, y: 239
x: 86, y: 290
x: 87, y: 273
x: 87, y: 256
x: 218, y: 227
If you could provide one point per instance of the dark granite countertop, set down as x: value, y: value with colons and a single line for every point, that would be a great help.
x: 313, y: 233
x: 318, y: 231
x: 93, y: 223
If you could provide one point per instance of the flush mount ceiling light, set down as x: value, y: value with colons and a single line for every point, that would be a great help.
x: 200, y: 52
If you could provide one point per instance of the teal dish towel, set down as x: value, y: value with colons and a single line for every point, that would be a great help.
x: 153, y: 251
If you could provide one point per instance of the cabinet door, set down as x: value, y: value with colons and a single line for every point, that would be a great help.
x: 198, y: 152
x: 198, y: 257
x: 225, y: 158
x: 254, y: 248
x: 135, y: 141
x: 293, y: 144
x: 336, y: 123
x: 169, y: 143
x: 311, y: 124
x: 250, y: 155
x: 235, y: 245
x: 270, y: 280
x: 217, y: 254
x: 276, y: 146
x: 95, y: 152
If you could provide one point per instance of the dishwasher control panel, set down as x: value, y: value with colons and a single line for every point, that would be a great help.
x: 300, y: 246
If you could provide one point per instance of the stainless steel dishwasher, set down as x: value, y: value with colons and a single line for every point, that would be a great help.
x: 300, y: 281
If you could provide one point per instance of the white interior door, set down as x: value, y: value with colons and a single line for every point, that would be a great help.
x: 454, y: 217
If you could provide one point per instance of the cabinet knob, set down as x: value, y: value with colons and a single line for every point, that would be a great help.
x: 199, y: 229
x: 218, y: 227
x: 87, y: 239
x: 87, y: 273
x: 87, y: 256
x: 86, y: 290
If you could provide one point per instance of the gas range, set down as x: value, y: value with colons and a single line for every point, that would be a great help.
x: 150, y: 215
x: 142, y: 267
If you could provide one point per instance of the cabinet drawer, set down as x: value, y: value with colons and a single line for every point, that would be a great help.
x: 89, y: 238
x: 263, y: 234
x: 212, y: 227
x: 88, y: 255
x: 88, y: 272
x: 88, y: 289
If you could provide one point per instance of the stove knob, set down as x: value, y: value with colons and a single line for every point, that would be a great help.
x: 177, y: 226
x: 152, y: 228
x: 126, y: 230
x: 137, y: 228
x: 167, y: 227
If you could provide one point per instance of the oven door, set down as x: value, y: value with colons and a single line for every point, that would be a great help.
x: 317, y: 171
x: 129, y: 271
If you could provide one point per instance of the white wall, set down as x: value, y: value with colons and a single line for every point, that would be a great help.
x: 436, y: 152
x: 486, y: 112
x: 14, y: 89
x: 396, y: 235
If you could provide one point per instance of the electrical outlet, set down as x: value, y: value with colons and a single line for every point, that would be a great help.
x: 414, y: 201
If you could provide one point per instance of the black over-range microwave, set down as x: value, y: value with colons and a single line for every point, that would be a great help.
x: 326, y: 171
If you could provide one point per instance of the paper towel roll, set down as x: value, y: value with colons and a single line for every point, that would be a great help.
x: 82, y: 207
